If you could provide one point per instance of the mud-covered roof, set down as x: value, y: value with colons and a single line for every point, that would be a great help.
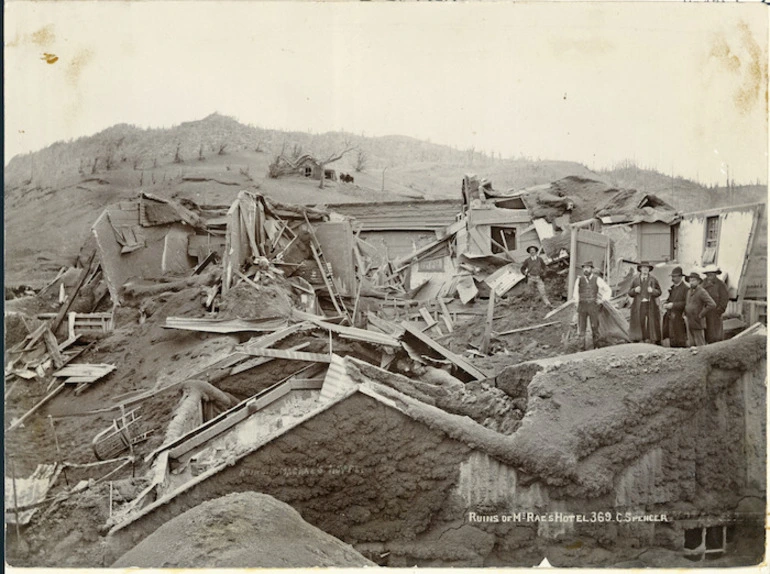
x: 633, y: 206
x: 402, y: 215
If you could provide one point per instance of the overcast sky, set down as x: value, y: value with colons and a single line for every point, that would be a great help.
x: 678, y: 87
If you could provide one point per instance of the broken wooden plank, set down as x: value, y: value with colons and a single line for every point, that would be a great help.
x: 261, y: 360
x: 290, y: 355
x: 529, y: 328
x: 488, y: 327
x: 17, y: 423
x: 85, y: 370
x: 273, y: 338
x: 52, y: 346
x: 224, y: 325
x: 466, y: 288
x: 387, y: 327
x: 71, y: 299
x: 427, y: 317
x: 505, y: 278
x: 349, y: 332
x: 203, y: 264
x: 561, y: 307
x: 458, y: 361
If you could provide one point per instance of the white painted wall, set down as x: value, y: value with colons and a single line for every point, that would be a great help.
x: 734, y: 231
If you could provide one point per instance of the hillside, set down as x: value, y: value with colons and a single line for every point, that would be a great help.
x: 60, y: 190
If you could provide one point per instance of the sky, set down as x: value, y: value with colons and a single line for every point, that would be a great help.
x: 679, y: 87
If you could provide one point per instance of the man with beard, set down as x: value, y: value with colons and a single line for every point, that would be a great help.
x: 698, y: 304
x: 673, y: 320
x: 645, y: 313
x: 715, y: 287
x: 590, y: 290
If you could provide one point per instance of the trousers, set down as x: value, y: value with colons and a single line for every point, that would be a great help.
x: 538, y: 285
x: 588, y: 310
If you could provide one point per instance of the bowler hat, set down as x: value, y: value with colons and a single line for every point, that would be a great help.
x: 587, y: 264
x: 677, y: 272
x: 646, y: 264
x: 532, y: 249
x: 695, y: 275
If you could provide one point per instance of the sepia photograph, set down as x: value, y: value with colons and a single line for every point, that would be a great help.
x: 385, y: 284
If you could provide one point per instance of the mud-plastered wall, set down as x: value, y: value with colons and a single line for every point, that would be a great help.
x: 360, y: 471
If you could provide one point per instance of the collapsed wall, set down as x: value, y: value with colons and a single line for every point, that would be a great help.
x: 674, y: 432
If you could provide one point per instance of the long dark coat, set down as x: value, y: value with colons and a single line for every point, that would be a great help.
x: 635, y: 327
x: 718, y: 291
x: 674, y: 317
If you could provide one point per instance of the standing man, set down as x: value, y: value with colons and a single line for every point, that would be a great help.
x: 645, y: 312
x: 674, y: 317
x: 533, y: 269
x: 590, y: 290
x: 699, y: 303
x: 715, y: 287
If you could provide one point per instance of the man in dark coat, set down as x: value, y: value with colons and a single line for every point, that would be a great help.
x: 533, y: 269
x: 673, y: 320
x: 645, y: 312
x: 715, y: 287
x: 699, y: 303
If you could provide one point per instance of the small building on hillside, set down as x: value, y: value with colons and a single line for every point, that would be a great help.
x: 308, y: 166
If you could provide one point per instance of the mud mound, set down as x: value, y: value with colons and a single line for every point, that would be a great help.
x: 243, y: 530
x: 245, y: 301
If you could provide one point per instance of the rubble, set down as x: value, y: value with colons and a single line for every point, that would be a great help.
x: 234, y: 339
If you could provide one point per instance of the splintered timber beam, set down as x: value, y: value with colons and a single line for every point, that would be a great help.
x: 31, y: 411
x: 488, y: 327
x: 458, y: 361
x: 291, y: 355
x: 529, y: 328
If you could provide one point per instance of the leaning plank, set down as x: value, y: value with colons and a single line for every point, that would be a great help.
x: 349, y: 332
x: 291, y: 355
x: 52, y: 346
x: 273, y: 338
x: 31, y: 411
x: 561, y: 307
x: 488, y: 325
x: 466, y: 288
x: 68, y: 303
x: 384, y: 325
x: 529, y: 328
x: 461, y: 363
x: 224, y: 325
x: 251, y: 363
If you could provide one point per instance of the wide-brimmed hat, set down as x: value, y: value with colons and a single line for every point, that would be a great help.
x: 695, y: 275
x: 532, y: 249
x: 712, y: 269
x: 677, y: 271
x: 587, y: 264
x: 646, y: 264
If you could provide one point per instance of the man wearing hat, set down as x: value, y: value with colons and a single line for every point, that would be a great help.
x: 533, y: 269
x: 715, y: 287
x: 645, y: 312
x: 673, y: 320
x: 698, y: 304
x: 590, y: 290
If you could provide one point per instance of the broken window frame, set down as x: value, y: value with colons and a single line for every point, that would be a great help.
x: 500, y: 241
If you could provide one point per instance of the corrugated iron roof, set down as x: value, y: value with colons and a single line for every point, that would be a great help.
x: 402, y: 215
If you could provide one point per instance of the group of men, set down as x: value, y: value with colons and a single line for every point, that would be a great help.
x: 693, y: 309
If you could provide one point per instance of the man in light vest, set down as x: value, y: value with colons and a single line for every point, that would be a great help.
x: 589, y: 292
